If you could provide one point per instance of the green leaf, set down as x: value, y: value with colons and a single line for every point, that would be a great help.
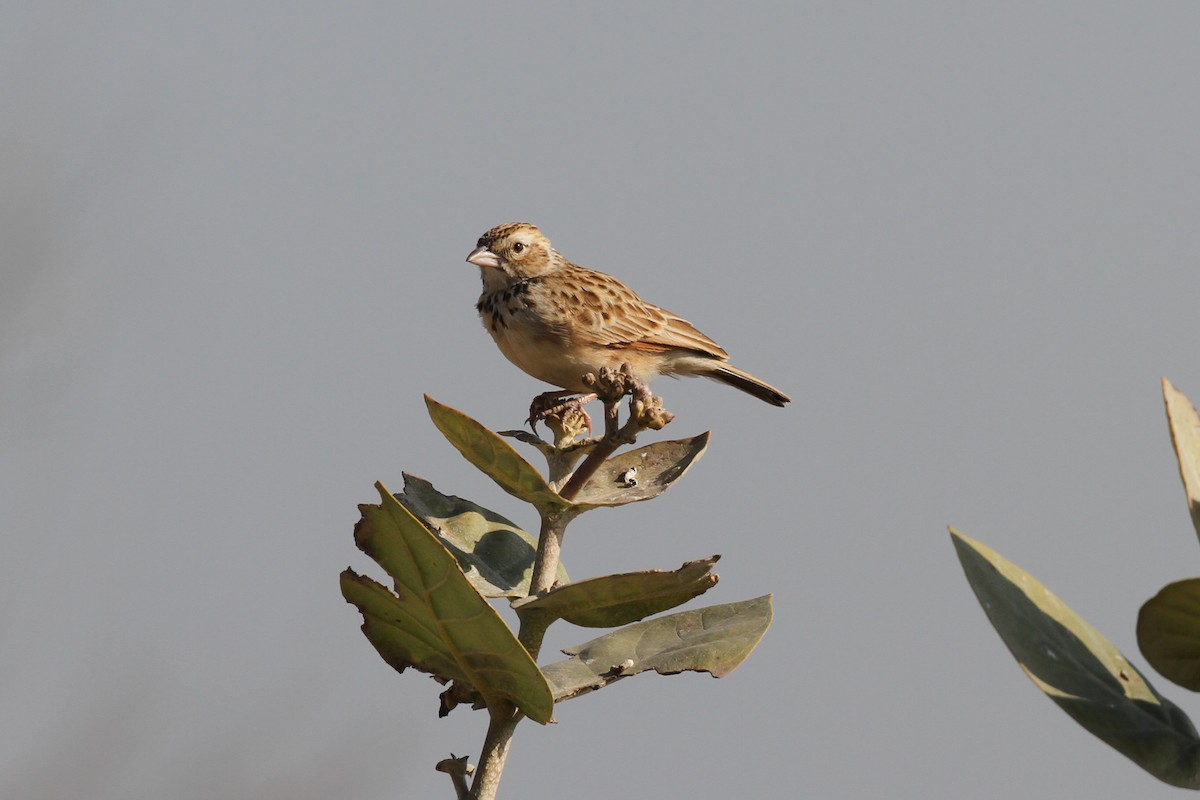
x: 657, y: 467
x: 1168, y: 632
x: 494, y: 457
x: 435, y: 621
x: 1185, y: 435
x: 495, y: 555
x: 620, y: 599
x: 715, y: 639
x: 1080, y: 669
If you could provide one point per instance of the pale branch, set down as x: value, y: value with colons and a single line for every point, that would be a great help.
x: 545, y: 564
x: 458, y: 769
x: 502, y: 724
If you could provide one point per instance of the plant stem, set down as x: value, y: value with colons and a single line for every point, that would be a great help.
x: 458, y: 769
x: 603, y: 449
x: 504, y: 718
x: 545, y: 565
x: 533, y: 631
x: 503, y: 722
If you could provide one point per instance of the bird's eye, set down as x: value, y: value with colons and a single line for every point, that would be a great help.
x: 519, y: 247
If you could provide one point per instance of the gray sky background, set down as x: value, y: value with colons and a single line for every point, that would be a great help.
x: 963, y: 237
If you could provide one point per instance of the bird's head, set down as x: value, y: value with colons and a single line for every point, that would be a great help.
x: 517, y: 249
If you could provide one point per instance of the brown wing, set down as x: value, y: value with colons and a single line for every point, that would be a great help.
x: 609, y: 313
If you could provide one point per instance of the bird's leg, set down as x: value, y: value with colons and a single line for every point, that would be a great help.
x: 552, y: 404
x: 546, y: 401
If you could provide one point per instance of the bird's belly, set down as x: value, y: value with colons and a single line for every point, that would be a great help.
x: 549, y: 359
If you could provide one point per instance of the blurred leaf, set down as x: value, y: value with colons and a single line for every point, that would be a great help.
x: 495, y: 555
x: 436, y: 621
x: 494, y: 457
x: 1081, y: 670
x: 715, y: 639
x: 658, y: 466
x: 1168, y: 632
x: 620, y: 599
x: 1185, y: 435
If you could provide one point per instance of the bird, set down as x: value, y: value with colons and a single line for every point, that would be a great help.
x: 558, y: 321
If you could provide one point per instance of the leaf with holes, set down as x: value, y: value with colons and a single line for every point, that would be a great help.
x: 435, y: 621
x: 641, y: 474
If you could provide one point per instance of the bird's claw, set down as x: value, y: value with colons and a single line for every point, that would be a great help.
x: 565, y: 417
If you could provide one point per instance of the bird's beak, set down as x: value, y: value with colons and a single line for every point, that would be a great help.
x: 482, y: 257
